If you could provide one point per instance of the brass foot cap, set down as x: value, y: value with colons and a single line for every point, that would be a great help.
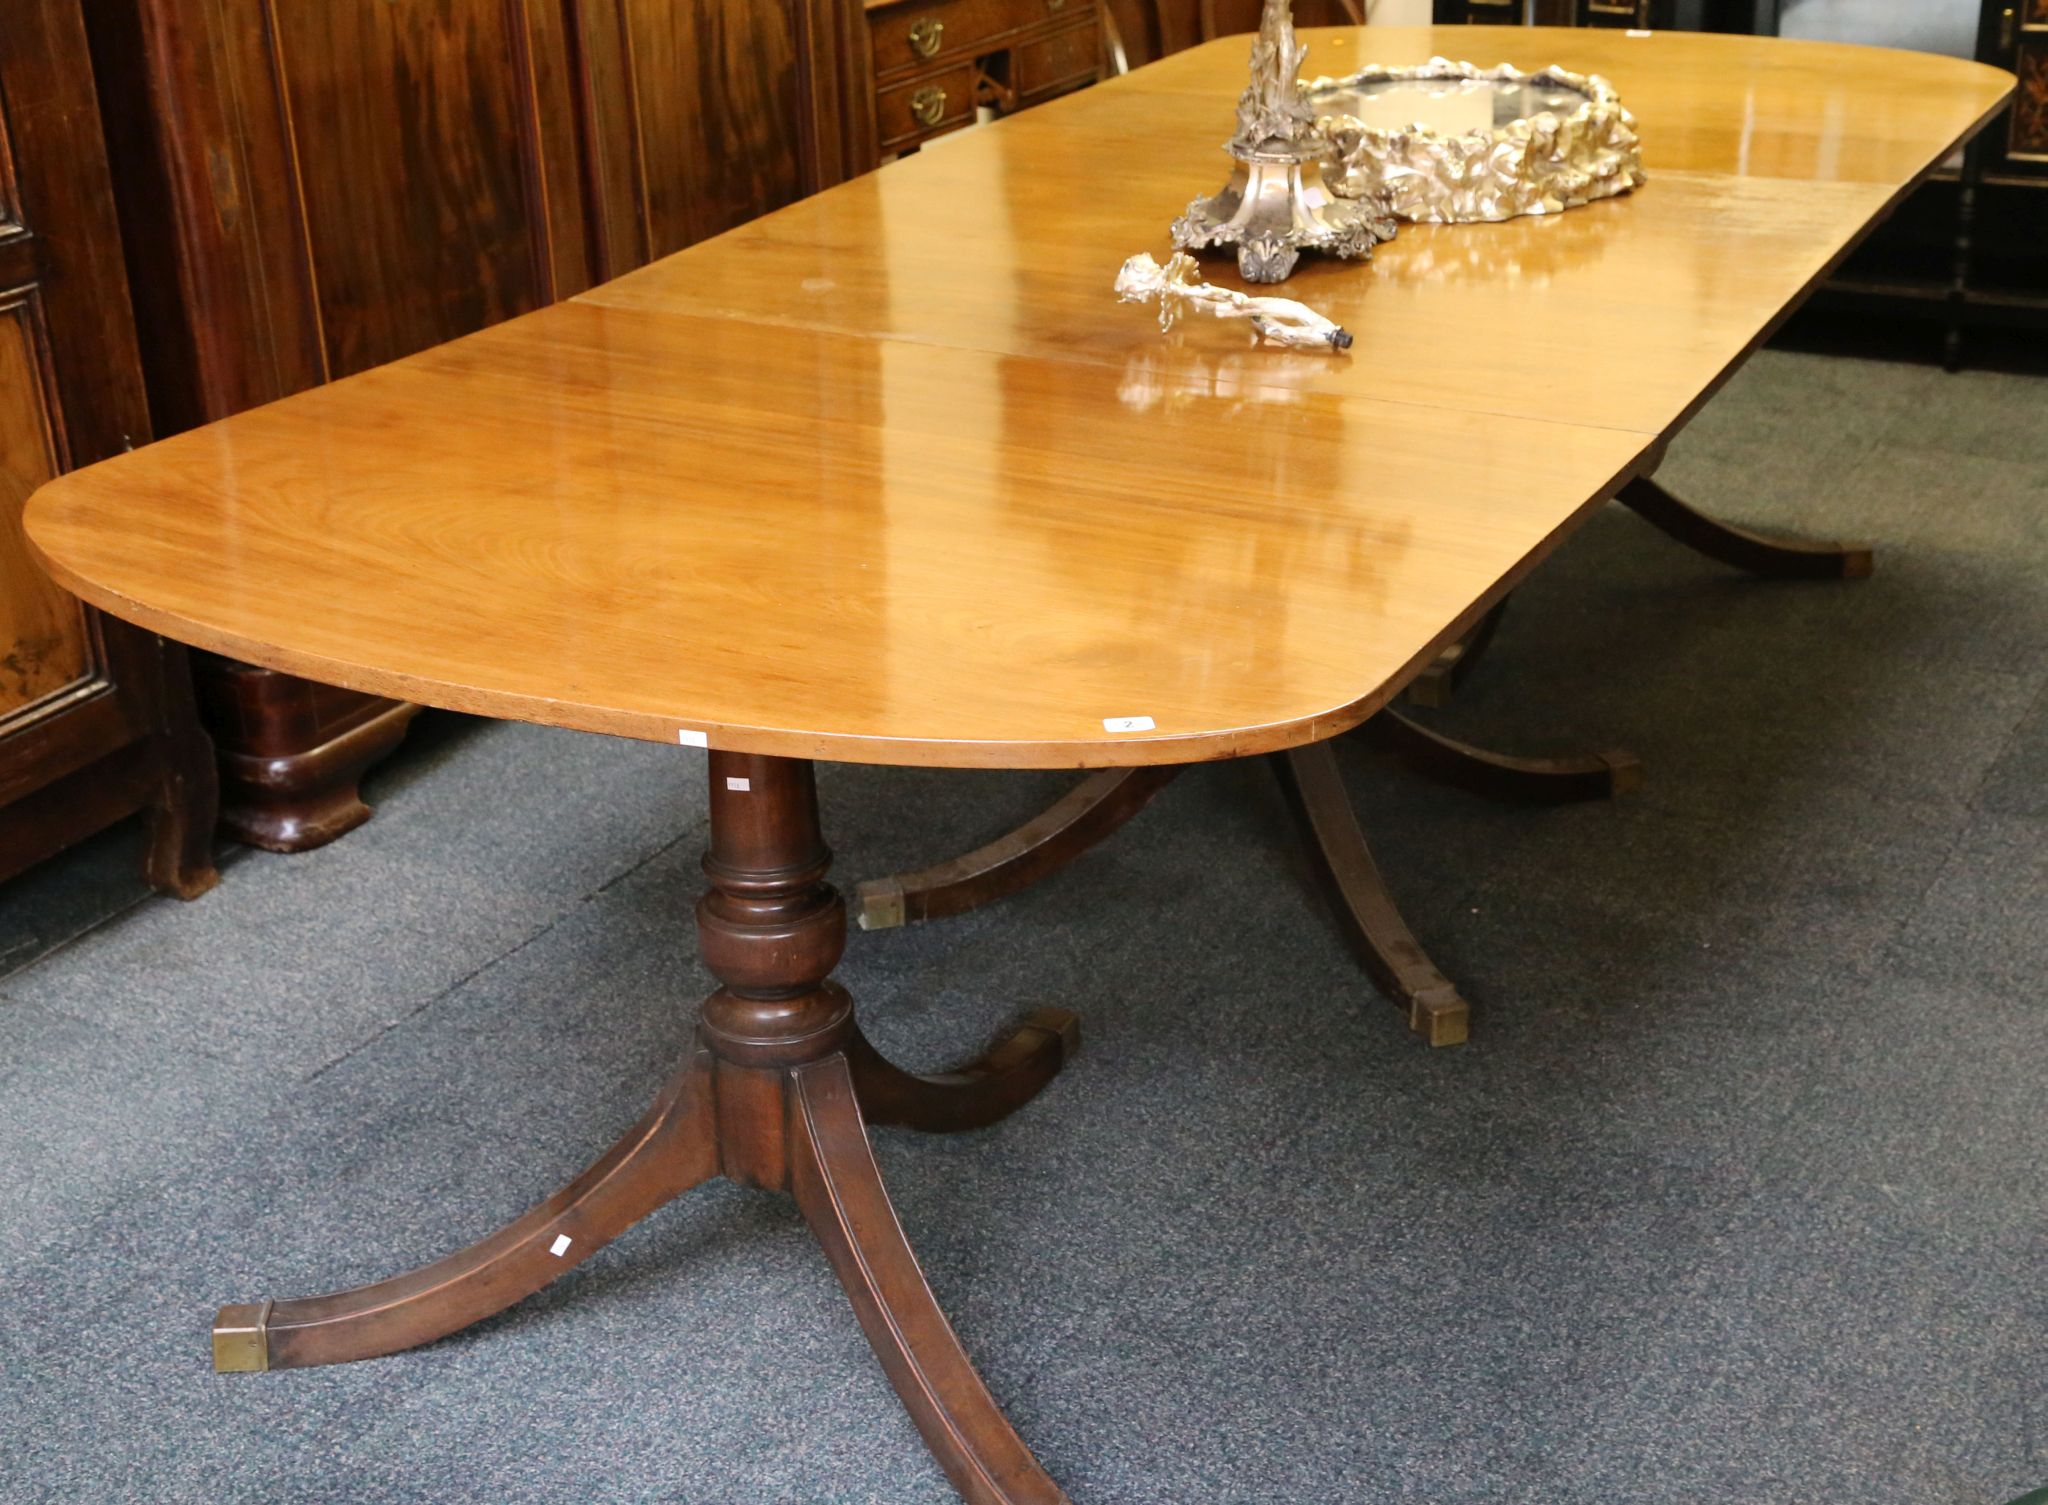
x: 879, y: 905
x: 1064, y: 1023
x: 1440, y: 1016
x: 241, y: 1339
x: 1624, y: 773
x: 1431, y: 689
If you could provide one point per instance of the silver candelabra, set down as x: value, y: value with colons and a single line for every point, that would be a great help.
x: 1276, y: 204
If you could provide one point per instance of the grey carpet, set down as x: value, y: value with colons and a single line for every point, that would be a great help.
x: 1737, y: 1195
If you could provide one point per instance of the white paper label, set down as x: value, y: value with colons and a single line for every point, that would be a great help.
x: 1127, y: 723
x: 741, y: 786
x: 560, y: 1246
x: 693, y: 739
x: 1639, y: 33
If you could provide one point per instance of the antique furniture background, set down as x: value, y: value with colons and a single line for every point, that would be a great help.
x: 933, y: 66
x: 1967, y: 253
x: 1143, y: 31
x: 310, y: 190
x: 96, y: 716
x: 1750, y: 17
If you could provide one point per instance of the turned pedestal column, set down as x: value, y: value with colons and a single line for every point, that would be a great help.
x: 777, y: 1095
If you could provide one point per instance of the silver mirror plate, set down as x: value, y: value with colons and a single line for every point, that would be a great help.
x: 1451, y: 143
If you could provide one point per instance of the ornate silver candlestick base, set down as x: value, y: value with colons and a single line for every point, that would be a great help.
x: 1273, y: 208
x: 1276, y: 204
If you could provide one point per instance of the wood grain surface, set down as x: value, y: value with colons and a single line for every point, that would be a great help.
x: 889, y: 476
x: 43, y: 631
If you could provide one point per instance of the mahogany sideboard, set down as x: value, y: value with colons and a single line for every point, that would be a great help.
x: 96, y: 716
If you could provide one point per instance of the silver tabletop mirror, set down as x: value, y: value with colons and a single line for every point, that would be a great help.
x: 1451, y: 143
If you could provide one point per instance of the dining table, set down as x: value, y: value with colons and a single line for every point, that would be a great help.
x: 888, y: 476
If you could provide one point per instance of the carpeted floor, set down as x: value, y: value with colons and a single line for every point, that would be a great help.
x: 1739, y: 1194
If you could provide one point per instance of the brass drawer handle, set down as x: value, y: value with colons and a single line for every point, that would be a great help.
x: 928, y: 105
x: 926, y: 35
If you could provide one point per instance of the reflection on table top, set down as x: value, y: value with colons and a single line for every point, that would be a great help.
x: 1449, y: 106
x: 889, y: 476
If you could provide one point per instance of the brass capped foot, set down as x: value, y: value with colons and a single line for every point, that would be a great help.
x: 241, y: 1338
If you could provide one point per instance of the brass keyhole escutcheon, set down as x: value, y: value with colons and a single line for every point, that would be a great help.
x: 926, y: 33
x: 928, y: 105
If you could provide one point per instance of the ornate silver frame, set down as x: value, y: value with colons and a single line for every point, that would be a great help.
x: 1540, y: 165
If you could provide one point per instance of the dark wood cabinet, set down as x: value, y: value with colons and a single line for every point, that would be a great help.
x: 1754, y: 17
x: 96, y: 717
x: 310, y: 190
x: 2014, y: 34
x: 1623, y: 13
x: 1549, y: 12
x: 1143, y: 31
x: 1965, y: 251
x: 1961, y: 270
x: 933, y: 66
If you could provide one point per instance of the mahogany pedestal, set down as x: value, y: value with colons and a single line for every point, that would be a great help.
x: 1365, y: 909
x: 778, y: 1094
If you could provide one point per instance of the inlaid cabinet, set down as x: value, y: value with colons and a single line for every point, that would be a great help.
x: 96, y: 717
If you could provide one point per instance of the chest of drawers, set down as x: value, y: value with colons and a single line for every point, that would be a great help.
x: 937, y: 64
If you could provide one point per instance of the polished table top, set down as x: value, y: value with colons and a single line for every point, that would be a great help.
x: 889, y: 476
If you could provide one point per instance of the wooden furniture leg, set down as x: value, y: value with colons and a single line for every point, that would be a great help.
x: 293, y: 753
x: 178, y: 857
x: 1101, y: 803
x: 1585, y: 776
x: 1773, y: 558
x: 661, y: 1157
x: 1435, y: 685
x: 778, y: 1095
x: 1082, y: 818
x: 1371, y: 921
x: 1761, y: 554
x: 976, y: 1096
x: 839, y: 1188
